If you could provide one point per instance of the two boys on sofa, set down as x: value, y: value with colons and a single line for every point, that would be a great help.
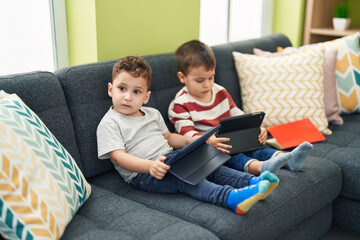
x: 121, y: 136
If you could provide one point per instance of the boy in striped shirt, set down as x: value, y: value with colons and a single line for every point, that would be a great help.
x: 201, y: 103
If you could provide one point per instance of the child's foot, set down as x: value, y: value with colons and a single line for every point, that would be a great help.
x: 299, y: 155
x: 241, y: 200
x: 275, y: 163
x: 272, y: 178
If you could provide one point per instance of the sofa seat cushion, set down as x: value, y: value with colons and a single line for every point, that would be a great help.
x: 343, y: 148
x: 347, y: 214
x: 106, y: 215
x: 298, y: 196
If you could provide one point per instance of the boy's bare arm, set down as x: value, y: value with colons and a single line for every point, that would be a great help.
x: 156, y: 168
x: 177, y: 141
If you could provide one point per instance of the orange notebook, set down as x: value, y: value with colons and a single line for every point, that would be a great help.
x: 292, y: 134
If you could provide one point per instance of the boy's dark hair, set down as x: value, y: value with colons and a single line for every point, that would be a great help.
x: 134, y: 65
x: 193, y: 54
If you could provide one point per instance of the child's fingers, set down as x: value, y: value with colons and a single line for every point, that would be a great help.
x: 225, y: 146
x: 223, y: 150
x: 223, y: 139
x: 161, y: 158
x: 162, y: 165
x: 158, y: 175
x: 161, y: 171
x: 165, y: 167
x: 262, y: 139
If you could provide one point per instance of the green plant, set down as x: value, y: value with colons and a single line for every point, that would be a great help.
x: 342, y: 9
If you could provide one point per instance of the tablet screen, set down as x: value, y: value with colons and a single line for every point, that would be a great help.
x: 192, y: 146
x: 241, y: 122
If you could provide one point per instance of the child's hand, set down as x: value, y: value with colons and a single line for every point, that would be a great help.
x: 218, y: 143
x: 158, y: 168
x: 262, y: 135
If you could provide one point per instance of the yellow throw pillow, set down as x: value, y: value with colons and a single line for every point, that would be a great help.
x: 287, y: 88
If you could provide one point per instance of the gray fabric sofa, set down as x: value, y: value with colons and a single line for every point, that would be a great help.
x: 72, y: 101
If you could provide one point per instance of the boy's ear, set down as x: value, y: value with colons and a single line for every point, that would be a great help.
x: 110, y: 89
x: 147, y: 97
x: 181, y: 77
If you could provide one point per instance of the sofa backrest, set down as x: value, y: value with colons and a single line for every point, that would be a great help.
x: 42, y: 93
x: 85, y: 88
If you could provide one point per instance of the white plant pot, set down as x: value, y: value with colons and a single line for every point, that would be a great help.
x: 341, y: 23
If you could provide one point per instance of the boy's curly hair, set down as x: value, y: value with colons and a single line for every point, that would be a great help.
x: 134, y: 65
x: 194, y: 54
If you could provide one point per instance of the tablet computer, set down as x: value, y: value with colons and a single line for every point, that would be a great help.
x: 196, y: 160
x: 243, y: 131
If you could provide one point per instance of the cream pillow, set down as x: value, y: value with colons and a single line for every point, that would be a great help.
x: 332, y: 110
x: 43, y: 186
x: 286, y: 88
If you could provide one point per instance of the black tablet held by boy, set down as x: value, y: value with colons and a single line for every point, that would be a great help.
x: 243, y: 131
x: 197, y: 160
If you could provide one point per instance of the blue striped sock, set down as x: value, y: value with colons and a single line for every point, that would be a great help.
x: 241, y: 200
x: 272, y: 178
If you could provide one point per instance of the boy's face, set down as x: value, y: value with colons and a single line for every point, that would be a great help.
x: 199, y: 82
x: 128, y: 94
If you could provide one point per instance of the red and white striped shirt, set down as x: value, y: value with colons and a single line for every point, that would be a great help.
x: 191, y: 117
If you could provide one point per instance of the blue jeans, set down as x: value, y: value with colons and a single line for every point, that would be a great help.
x: 239, y: 160
x: 213, y: 189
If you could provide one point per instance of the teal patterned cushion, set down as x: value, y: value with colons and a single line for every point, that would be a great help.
x: 41, y: 187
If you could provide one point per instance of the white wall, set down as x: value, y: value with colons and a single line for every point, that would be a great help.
x: 213, y: 21
x: 245, y: 19
x: 25, y: 36
x: 223, y: 21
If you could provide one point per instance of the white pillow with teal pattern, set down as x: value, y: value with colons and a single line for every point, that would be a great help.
x: 41, y: 187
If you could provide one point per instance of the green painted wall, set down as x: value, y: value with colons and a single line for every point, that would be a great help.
x: 289, y: 19
x: 354, y: 13
x: 108, y: 29
x: 123, y: 27
x: 141, y: 27
x: 81, y: 30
